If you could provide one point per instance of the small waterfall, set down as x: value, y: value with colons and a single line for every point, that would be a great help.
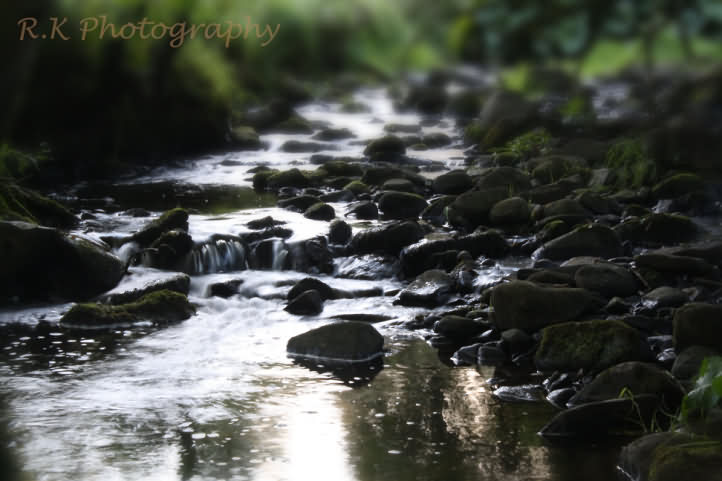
x: 278, y: 255
x: 219, y: 255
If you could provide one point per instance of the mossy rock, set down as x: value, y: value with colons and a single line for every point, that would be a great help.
x: 514, y: 180
x: 678, y: 185
x: 357, y: 187
x: 19, y: 203
x: 245, y: 138
x: 553, y: 229
x: 659, y: 229
x: 389, y: 239
x: 160, y: 307
x: 341, y: 168
x: 452, y: 183
x: 173, y: 219
x: 288, y: 178
x: 389, y: 147
x: 401, y: 205
x: 512, y: 211
x: 589, y: 345
x: 590, y: 240
x: 552, y: 168
x: 295, y: 124
x: 349, y: 341
x: 260, y: 179
x: 698, y: 459
x: 471, y: 209
x: 320, y: 211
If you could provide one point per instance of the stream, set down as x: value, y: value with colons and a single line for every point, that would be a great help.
x: 216, y: 397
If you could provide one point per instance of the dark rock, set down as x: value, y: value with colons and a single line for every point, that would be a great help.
x: 389, y: 239
x: 330, y: 134
x: 308, y: 303
x: 381, y: 173
x: 299, y: 203
x: 399, y: 185
x: 22, y: 204
x: 491, y: 354
x: 161, y: 307
x: 299, y: 147
x: 170, y: 249
x: 664, y: 296
x: 551, y: 276
x: 365, y: 210
x: 401, y: 205
x: 467, y: 355
x: 520, y: 394
x: 245, y: 138
x: 320, y: 211
x: 512, y: 180
x: 617, y: 305
x: 434, y: 140
x: 677, y: 185
x: 435, y: 212
x: 471, y: 209
x: 458, y: 327
x: 309, y: 283
x: 527, y: 306
x: 339, y: 232
x: 288, y: 178
x: 674, y: 264
x: 566, y: 207
x: 271, y: 232
x: 698, y: 324
x: 347, y: 341
x: 173, y: 219
x: 430, y: 289
x: 503, y: 116
x: 263, y: 223
x: 559, y: 397
x: 516, y: 340
x: 590, y: 345
x: 607, y: 279
x: 42, y: 263
x: 603, y: 419
x: 177, y: 283
x: 635, y: 378
x: 590, y: 240
x: 544, y: 194
x: 389, y: 148
x: 551, y: 168
x: 513, y: 211
x: 658, y: 229
x: 689, y: 360
x: 224, y: 289
x: 452, y: 183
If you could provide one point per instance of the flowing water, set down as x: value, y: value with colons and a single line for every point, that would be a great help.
x: 216, y: 397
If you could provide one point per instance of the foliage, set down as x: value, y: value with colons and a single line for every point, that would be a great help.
x: 707, y: 391
x: 631, y: 162
x: 530, y: 144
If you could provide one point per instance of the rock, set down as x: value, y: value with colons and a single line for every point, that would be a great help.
x: 530, y: 307
x: 689, y: 360
x: 402, y: 128
x: 263, y: 223
x: 299, y: 203
x: 471, y: 209
x: 401, y: 205
x: 347, y: 341
x: 365, y: 210
x: 435, y: 212
x: 544, y: 194
x: 389, y: 148
x: 300, y: 147
x: 516, y: 340
x: 635, y: 378
x: 245, y: 138
x: 320, y: 211
x: 381, y: 173
x: 598, y: 204
x: 427, y: 99
x: 552, y: 230
x: 170, y: 220
x: 664, y: 296
x: 670, y: 456
x: 42, y: 263
x: 309, y: 283
x: 288, y: 178
x: 467, y: 355
x: 504, y: 115
x: 308, y: 303
x: 430, y: 289
x: 224, y: 289
x: 589, y: 345
x: 399, y: 185
x: 339, y: 232
x: 710, y: 251
x: 329, y: 134
x: 458, y: 327
x: 698, y: 324
x: 549, y: 276
x: 589, y: 240
x: 617, y: 305
x: 513, y: 211
x: 20, y: 204
x: 658, y: 229
x: 554, y: 167
x: 170, y: 249
x: 674, y: 264
x: 677, y: 186
x: 177, y: 283
x: 491, y: 354
x: 566, y: 208
x: 520, y: 394
x: 559, y: 397
x: 389, y: 239
x: 336, y: 167
x: 603, y: 419
x: 162, y: 307
x: 607, y: 279
x: 452, y: 183
x: 512, y: 180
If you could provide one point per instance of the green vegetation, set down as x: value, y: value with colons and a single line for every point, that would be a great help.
x: 530, y: 144
x: 632, y: 164
x: 17, y: 203
x: 707, y: 391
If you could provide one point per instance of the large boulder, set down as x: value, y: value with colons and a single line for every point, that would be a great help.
x: 607, y: 279
x: 673, y: 264
x: 307, y: 303
x: 590, y: 240
x: 661, y: 229
x: 43, y: 263
x: 689, y: 360
x: 458, y: 327
x: 21, y: 204
x: 389, y: 239
x: 512, y: 180
x: 677, y: 185
x: 177, y: 282
x: 320, y: 211
x: 430, y: 289
x: 452, y: 183
x: 635, y: 378
x: 513, y: 211
x: 160, y: 307
x: 174, y: 219
x: 351, y: 341
x: 530, y: 307
x: 589, y: 345
x: 698, y: 324
x: 388, y: 149
x: 471, y: 209
x: 504, y: 115
x: 401, y: 205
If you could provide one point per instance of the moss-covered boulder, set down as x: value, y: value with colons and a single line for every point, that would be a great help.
x: 389, y: 148
x: 698, y: 324
x: 365, y: 210
x: 590, y: 240
x: 452, y: 183
x: 169, y: 250
x: 634, y: 378
x: 349, y: 341
x: 170, y: 220
x: 530, y: 307
x: 288, y: 178
x: 357, y: 187
x: 513, y: 180
x: 589, y: 345
x: 44, y: 263
x: 299, y: 203
x: 245, y: 138
x: 401, y: 205
x: 658, y: 229
x: 677, y: 185
x: 512, y: 211
x: 389, y: 239
x: 177, y: 282
x: 607, y: 279
x: 379, y: 174
x: 471, y: 209
x: 160, y: 307
x: 21, y: 204
x: 307, y: 303
x: 551, y: 168
x: 342, y: 168
x: 320, y: 211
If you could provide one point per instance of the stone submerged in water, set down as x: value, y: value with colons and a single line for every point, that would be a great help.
x: 530, y: 307
x: 178, y: 283
x: 349, y: 341
x: 589, y: 345
x: 161, y: 307
x: 430, y: 289
x: 42, y: 262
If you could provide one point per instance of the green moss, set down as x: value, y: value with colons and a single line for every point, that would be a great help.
x: 161, y: 306
x: 287, y: 178
x: 631, y: 162
x: 693, y: 460
x: 357, y: 187
x: 18, y: 203
x: 260, y: 179
x: 529, y: 144
x: 473, y: 133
